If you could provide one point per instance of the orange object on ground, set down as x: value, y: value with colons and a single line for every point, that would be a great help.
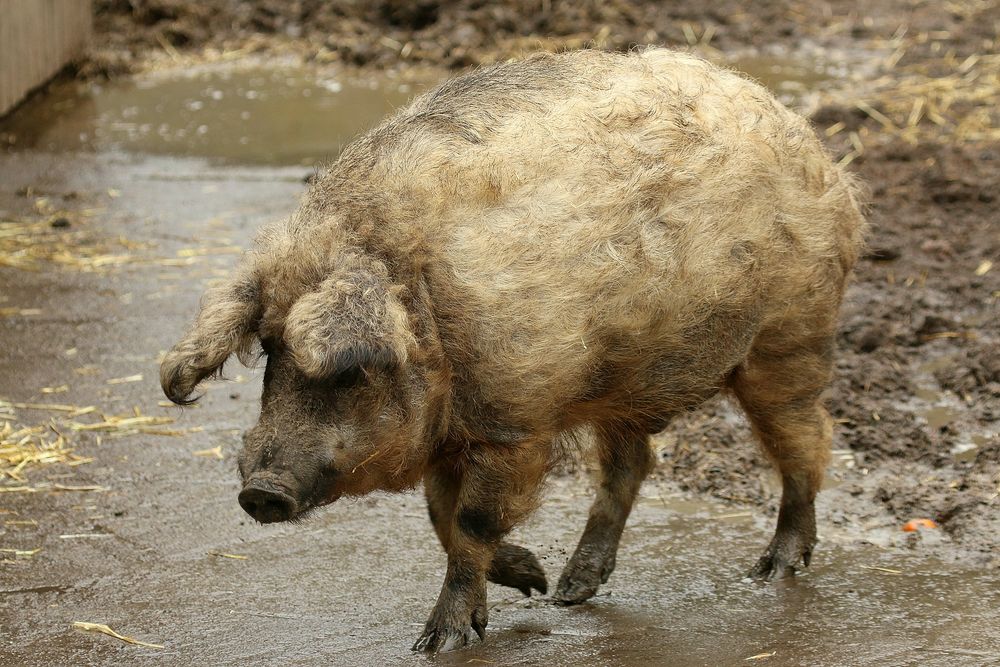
x: 916, y: 524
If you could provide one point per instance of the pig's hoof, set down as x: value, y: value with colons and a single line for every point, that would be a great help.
x: 441, y: 635
x: 582, y: 577
x: 781, y: 558
x: 518, y: 568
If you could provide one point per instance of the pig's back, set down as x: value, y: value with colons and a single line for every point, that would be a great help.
x: 592, y: 211
x: 621, y: 170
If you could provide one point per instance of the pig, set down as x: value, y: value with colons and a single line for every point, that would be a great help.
x: 584, y: 242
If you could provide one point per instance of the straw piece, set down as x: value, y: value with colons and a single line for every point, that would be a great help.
x: 835, y: 128
x: 168, y: 47
x: 198, y: 252
x: 761, y: 656
x: 876, y: 114
x: 58, y: 407
x: 19, y: 312
x: 215, y: 452
x: 887, y: 570
x: 21, y: 553
x: 63, y: 487
x: 103, y: 629
x: 131, y: 378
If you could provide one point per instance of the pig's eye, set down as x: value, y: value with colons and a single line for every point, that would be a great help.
x: 267, y: 346
x: 346, y: 379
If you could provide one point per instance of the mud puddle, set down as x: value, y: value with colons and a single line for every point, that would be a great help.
x: 796, y: 80
x: 249, y: 116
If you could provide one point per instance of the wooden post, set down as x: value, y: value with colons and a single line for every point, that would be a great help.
x: 37, y: 38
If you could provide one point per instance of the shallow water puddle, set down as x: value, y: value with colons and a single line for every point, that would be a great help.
x: 789, y: 77
x: 255, y: 116
x: 677, y: 596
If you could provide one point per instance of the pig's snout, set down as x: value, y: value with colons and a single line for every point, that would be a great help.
x: 266, y: 503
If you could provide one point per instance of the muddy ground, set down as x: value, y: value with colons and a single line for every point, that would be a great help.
x: 460, y: 33
x: 916, y: 394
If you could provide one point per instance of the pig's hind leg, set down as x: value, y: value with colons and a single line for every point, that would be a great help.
x: 625, y: 460
x: 493, y: 489
x: 779, y: 390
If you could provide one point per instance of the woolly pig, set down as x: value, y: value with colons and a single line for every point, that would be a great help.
x: 577, y: 241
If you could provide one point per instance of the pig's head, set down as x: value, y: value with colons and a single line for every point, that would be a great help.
x: 345, y: 404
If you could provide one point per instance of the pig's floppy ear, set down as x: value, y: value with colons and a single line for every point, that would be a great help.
x: 226, y: 324
x: 352, y: 320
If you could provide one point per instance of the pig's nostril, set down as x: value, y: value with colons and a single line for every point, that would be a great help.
x: 249, y: 506
x: 266, y: 505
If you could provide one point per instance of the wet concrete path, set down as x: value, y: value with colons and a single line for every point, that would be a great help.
x: 149, y: 554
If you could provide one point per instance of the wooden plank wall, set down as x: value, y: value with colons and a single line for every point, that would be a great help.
x: 37, y: 38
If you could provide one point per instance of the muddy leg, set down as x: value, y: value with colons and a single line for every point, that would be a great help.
x: 518, y: 568
x: 512, y: 565
x: 781, y: 398
x: 491, y: 496
x: 625, y: 461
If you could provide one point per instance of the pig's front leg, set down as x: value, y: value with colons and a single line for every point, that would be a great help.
x: 461, y: 606
x: 494, y: 490
x: 512, y: 565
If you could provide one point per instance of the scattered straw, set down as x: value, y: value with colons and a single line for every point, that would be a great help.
x: 29, y: 244
x: 225, y: 555
x: 103, y: 629
x: 27, y: 446
x: 940, y: 97
x: 31, y: 446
